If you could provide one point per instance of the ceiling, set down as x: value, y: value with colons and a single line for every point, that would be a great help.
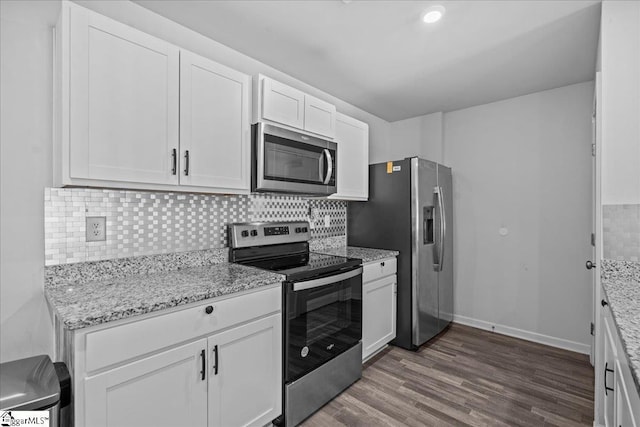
x: 379, y: 55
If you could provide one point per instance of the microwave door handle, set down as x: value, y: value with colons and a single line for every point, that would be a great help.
x: 316, y: 283
x: 327, y: 153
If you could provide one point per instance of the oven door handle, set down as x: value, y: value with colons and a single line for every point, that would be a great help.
x: 316, y: 283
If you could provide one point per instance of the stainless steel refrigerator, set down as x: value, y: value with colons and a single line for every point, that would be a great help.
x: 410, y: 209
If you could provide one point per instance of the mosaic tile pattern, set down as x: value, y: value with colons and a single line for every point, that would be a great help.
x: 621, y: 232
x: 148, y: 223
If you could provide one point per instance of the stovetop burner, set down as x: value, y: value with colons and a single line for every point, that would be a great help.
x: 283, y: 248
x: 305, y: 265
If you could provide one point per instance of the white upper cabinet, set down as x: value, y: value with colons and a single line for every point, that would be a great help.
x: 123, y: 102
x: 319, y: 116
x: 287, y: 106
x: 282, y: 104
x: 214, y: 124
x: 137, y: 112
x: 352, y: 137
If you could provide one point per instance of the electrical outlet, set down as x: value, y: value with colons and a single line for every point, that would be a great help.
x: 96, y: 228
x: 327, y: 220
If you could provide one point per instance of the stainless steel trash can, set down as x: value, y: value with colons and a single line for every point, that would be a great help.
x: 35, y: 384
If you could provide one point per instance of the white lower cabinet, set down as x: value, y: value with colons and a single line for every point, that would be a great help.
x: 223, y: 368
x: 616, y: 391
x: 161, y: 390
x: 379, y: 284
x: 245, y: 373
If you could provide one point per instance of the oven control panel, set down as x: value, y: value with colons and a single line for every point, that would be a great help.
x: 245, y: 234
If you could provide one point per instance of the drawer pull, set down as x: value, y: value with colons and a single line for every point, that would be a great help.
x: 382, y: 264
x: 203, y: 372
x: 215, y: 359
x: 606, y: 370
x: 208, y: 309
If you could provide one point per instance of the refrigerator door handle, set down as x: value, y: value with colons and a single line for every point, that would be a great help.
x: 437, y: 191
x: 443, y: 225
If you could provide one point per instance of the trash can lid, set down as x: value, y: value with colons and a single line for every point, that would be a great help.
x: 28, y: 384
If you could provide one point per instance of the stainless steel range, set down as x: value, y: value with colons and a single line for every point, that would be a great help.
x: 322, y: 319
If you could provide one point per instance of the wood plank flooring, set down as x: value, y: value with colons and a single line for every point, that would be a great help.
x: 467, y: 376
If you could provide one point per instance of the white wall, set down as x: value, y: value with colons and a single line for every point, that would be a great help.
x: 419, y: 136
x: 26, y: 97
x: 620, y: 62
x: 524, y: 164
x: 25, y: 136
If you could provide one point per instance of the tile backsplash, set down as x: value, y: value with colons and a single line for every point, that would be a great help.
x: 147, y: 223
x: 621, y: 232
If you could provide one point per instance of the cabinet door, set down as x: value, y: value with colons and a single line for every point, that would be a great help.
x: 123, y: 108
x: 352, y: 137
x: 609, y: 370
x: 624, y: 408
x: 319, y: 116
x: 166, y: 389
x: 245, y: 385
x: 214, y: 125
x: 282, y: 103
x: 378, y: 314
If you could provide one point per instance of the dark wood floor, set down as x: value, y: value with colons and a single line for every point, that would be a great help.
x: 467, y: 376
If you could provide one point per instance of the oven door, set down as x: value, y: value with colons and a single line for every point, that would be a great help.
x: 323, y: 319
x: 289, y: 161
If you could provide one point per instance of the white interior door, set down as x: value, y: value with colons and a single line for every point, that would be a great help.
x: 596, y: 253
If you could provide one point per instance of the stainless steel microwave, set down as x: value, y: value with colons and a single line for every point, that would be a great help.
x: 291, y: 162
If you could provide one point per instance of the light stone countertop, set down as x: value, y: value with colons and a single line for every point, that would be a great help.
x: 92, y: 293
x: 365, y: 254
x: 621, y: 283
x: 79, y: 304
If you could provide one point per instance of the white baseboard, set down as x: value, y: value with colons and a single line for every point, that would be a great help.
x: 525, y: 335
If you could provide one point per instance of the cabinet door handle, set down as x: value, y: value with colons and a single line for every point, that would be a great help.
x: 606, y: 370
x: 186, y: 162
x: 215, y: 359
x: 174, y: 160
x: 203, y: 372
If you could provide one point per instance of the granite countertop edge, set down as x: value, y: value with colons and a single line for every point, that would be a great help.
x: 620, y: 281
x: 365, y: 254
x: 82, y: 305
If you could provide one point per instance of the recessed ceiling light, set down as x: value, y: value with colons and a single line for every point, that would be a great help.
x: 433, y: 14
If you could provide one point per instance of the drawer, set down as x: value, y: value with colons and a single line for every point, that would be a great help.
x: 126, y: 341
x: 378, y: 269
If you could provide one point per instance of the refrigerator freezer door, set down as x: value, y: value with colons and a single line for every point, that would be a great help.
x: 424, y: 178
x: 445, y: 279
